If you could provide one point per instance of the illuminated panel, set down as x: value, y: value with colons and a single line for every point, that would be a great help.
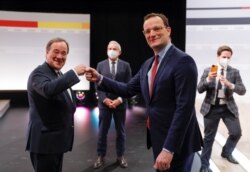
x: 43, y: 24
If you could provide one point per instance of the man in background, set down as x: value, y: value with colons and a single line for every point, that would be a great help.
x: 219, y: 103
x: 51, y: 108
x: 111, y: 105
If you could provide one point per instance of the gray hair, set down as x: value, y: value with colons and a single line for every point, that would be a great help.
x: 115, y: 42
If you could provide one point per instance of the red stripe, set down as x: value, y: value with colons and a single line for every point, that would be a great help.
x: 15, y: 23
x: 245, y: 7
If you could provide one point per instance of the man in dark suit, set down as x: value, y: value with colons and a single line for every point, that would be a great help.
x: 112, y: 105
x: 51, y: 109
x: 219, y: 104
x: 169, y: 97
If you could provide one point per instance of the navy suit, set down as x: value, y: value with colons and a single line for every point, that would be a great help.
x: 51, y: 110
x: 171, y: 108
x: 123, y: 74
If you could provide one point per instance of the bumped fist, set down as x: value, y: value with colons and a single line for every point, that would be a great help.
x: 92, y: 75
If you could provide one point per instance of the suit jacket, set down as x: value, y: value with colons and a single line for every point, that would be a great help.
x: 51, y: 110
x: 171, y: 108
x: 123, y: 74
x: 233, y: 76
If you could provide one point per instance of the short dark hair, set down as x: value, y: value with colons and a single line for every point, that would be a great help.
x: 162, y: 16
x: 57, y: 40
x: 224, y: 48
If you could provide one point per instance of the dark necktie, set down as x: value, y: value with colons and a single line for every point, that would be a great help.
x: 219, y: 86
x: 59, y: 73
x: 113, y: 70
x: 153, y: 73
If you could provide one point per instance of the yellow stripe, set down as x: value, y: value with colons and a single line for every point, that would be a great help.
x: 64, y: 25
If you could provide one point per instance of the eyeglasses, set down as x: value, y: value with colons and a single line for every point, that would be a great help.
x: 156, y: 29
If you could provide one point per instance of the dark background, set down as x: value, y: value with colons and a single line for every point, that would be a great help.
x: 110, y: 20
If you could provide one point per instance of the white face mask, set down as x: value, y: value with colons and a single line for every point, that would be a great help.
x: 113, y: 54
x: 224, y: 62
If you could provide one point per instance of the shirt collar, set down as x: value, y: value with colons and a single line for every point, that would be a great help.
x: 162, y: 53
x: 110, y: 61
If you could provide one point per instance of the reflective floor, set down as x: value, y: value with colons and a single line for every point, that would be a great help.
x: 13, y: 157
x: 242, y: 150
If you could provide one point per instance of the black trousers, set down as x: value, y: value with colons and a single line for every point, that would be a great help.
x: 46, y: 162
x: 211, y: 122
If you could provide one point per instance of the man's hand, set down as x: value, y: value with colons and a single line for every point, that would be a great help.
x: 92, y: 75
x: 80, y: 69
x: 115, y: 103
x: 163, y: 161
x: 211, y: 75
x: 112, y: 104
x: 225, y: 82
x: 107, y: 102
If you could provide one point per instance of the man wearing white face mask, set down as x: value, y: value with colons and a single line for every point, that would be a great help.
x: 219, y: 104
x: 111, y: 105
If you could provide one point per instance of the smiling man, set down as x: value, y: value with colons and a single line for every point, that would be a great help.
x: 51, y: 108
x: 168, y: 83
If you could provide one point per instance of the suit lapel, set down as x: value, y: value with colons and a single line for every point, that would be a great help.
x: 229, y: 73
x: 68, y: 96
x: 65, y: 93
x: 162, y: 67
x: 107, y: 67
x: 148, y: 65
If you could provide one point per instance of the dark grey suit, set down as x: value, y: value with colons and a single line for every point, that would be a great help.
x: 123, y: 74
x: 228, y: 113
x: 51, y: 110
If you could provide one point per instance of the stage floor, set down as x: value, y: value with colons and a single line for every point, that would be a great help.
x: 13, y: 157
